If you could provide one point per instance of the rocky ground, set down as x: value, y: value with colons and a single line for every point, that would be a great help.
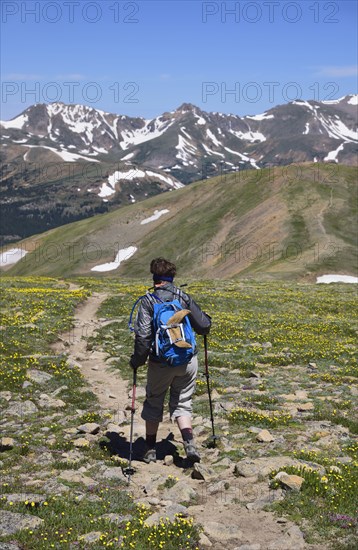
x: 226, y: 495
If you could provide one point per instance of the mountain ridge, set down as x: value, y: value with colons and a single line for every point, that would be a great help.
x: 280, y: 225
x: 91, y: 133
x: 61, y: 163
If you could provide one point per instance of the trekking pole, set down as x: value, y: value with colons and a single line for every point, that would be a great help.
x: 129, y: 470
x: 213, y: 437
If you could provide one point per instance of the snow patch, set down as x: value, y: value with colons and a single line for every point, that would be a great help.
x: 338, y: 130
x: 121, y: 256
x: 166, y: 179
x: 129, y: 156
x: 200, y: 119
x: 243, y: 157
x: 105, y: 191
x: 157, y: 214
x: 213, y: 138
x: 336, y: 279
x: 65, y: 155
x: 185, y: 150
x: 152, y: 129
x: 185, y: 133
x: 12, y: 256
x: 249, y: 136
x: 332, y: 155
x: 263, y: 116
x: 210, y: 152
x: 108, y: 189
x: 353, y: 100
x: 304, y: 102
x: 333, y: 101
x: 17, y: 122
x: 307, y: 129
x: 130, y: 175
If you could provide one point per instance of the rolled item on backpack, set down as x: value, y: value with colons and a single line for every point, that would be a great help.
x: 175, y: 332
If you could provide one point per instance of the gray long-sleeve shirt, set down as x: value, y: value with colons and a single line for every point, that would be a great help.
x: 143, y: 327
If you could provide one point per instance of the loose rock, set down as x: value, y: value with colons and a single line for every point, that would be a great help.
x: 47, y: 402
x: 112, y: 473
x: 25, y: 497
x: 289, y: 481
x: 291, y: 540
x: 81, y: 442
x: 222, y: 532
x: 93, y: 536
x: 21, y: 409
x: 263, y: 466
x: 264, y: 436
x: 6, y: 444
x: 201, y: 472
x: 302, y: 407
x: 89, y: 428
x: 5, y: 395
x: 11, y: 522
x: 204, y: 541
x: 38, y: 376
x: 180, y: 492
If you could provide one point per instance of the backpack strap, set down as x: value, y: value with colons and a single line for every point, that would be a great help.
x: 179, y: 292
x: 130, y: 322
x: 153, y: 299
x: 150, y: 295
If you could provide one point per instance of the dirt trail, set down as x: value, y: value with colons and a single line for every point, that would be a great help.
x: 108, y: 386
x: 220, y: 500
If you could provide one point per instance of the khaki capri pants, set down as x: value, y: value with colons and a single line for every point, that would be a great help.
x: 181, y: 382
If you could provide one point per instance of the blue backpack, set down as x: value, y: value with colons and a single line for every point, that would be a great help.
x: 175, y: 342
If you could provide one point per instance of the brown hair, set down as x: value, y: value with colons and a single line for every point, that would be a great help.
x: 160, y: 266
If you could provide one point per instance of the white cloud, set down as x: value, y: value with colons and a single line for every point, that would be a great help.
x: 338, y: 70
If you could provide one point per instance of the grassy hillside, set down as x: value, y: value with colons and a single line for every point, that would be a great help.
x: 285, y: 222
x: 281, y: 357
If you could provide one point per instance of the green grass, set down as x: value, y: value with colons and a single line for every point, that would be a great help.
x: 329, y: 501
x: 247, y: 224
x: 274, y: 329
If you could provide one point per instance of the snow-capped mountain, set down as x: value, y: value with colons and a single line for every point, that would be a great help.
x: 184, y: 141
x: 64, y: 162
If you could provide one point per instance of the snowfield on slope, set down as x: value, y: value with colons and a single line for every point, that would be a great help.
x: 108, y: 189
x: 336, y: 279
x: 121, y: 256
x: 157, y: 214
x: 12, y: 256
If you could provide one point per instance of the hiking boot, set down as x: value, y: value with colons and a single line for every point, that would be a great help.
x: 150, y: 456
x: 191, y: 451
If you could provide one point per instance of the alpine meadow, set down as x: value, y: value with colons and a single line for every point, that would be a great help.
x: 179, y: 223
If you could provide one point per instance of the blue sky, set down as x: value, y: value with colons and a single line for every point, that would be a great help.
x: 146, y: 57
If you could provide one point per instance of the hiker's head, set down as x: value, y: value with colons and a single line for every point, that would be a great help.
x: 162, y: 270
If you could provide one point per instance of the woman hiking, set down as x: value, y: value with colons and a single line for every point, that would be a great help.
x: 161, y: 376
